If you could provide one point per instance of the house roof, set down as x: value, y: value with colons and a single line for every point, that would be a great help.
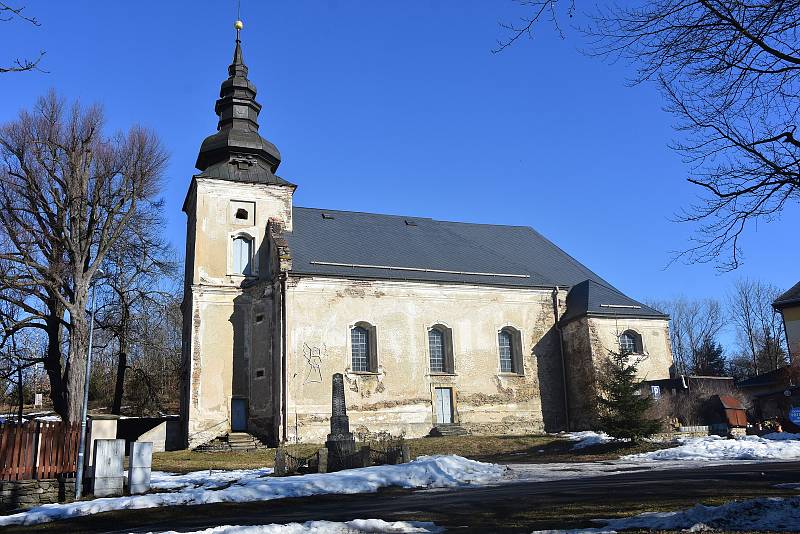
x: 790, y: 297
x: 764, y: 379
x: 594, y: 298
x: 376, y: 246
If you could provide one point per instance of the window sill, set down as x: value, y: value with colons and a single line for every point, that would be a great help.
x: 365, y: 373
x: 442, y: 374
x: 511, y: 374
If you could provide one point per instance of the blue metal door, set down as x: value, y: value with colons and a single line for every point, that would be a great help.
x: 238, y: 415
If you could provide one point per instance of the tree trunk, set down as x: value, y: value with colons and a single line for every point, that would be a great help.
x: 20, y: 393
x: 52, y: 362
x: 75, y: 376
x: 122, y: 360
x: 122, y: 364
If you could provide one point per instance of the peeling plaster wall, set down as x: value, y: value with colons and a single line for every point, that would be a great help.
x: 399, y: 396
x: 228, y: 318
x: 588, y: 340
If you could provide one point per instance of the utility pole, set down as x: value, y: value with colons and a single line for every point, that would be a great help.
x: 85, y: 409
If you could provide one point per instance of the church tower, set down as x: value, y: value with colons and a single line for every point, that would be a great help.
x: 229, y: 372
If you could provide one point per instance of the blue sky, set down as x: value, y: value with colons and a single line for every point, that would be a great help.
x: 402, y: 108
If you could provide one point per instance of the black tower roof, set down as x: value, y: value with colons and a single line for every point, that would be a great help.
x: 237, y: 152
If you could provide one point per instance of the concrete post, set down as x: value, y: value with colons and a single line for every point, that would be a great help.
x: 405, y: 453
x: 280, y: 462
x: 139, y: 467
x: 322, y: 460
x: 364, y: 456
x: 109, y: 455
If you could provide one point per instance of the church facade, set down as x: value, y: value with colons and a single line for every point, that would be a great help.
x: 434, y: 324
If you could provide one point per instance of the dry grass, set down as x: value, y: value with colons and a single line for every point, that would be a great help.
x: 504, y: 449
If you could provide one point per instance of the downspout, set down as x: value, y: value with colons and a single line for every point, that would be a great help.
x: 284, y: 379
x: 557, y: 313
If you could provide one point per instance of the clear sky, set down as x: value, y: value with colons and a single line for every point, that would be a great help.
x: 400, y: 107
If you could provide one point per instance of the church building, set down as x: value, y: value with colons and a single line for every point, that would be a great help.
x: 437, y: 326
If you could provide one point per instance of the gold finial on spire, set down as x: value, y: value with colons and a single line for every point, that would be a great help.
x: 238, y: 25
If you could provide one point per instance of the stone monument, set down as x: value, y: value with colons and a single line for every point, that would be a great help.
x: 341, y: 442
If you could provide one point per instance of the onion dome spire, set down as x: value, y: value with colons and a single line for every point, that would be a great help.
x: 237, y: 151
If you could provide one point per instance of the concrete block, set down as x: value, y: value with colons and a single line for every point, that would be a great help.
x: 109, y: 455
x: 139, y: 467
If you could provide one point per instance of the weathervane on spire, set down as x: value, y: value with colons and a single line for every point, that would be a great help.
x: 238, y: 24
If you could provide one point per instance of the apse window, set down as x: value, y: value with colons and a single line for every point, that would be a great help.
x: 363, y: 348
x: 242, y: 255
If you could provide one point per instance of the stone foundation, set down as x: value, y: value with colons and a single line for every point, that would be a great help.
x: 22, y: 494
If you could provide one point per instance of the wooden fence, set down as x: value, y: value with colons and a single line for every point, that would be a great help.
x: 38, y: 449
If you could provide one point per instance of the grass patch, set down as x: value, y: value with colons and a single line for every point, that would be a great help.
x: 502, y: 449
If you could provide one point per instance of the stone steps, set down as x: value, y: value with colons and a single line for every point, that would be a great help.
x: 448, y: 429
x: 233, y: 442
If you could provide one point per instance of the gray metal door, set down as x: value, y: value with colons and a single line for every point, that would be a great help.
x: 444, y: 405
x: 238, y: 415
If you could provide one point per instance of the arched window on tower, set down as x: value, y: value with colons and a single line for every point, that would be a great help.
x: 242, y: 252
x: 630, y: 342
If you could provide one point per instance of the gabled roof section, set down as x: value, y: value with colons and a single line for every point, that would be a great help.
x: 591, y: 297
x: 368, y: 245
x: 790, y: 298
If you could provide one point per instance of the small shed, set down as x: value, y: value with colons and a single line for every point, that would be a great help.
x: 734, y: 414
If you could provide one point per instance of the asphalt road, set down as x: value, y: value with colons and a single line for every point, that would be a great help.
x: 509, y: 507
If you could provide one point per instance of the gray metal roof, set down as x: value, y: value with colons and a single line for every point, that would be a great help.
x: 369, y: 245
x: 792, y: 296
x: 594, y: 298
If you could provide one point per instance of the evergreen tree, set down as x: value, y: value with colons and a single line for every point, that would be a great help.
x: 623, y: 407
x: 708, y: 359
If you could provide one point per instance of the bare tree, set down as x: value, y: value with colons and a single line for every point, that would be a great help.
x: 10, y: 13
x: 68, y: 192
x: 140, y: 276
x: 759, y: 328
x: 693, y: 324
x: 729, y: 70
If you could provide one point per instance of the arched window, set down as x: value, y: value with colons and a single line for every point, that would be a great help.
x: 440, y: 347
x: 509, y: 344
x: 506, y: 352
x: 436, y: 345
x: 242, y: 255
x: 363, y: 348
x: 630, y: 342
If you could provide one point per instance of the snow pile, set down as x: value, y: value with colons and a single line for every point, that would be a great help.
x: 719, y: 448
x: 587, y: 438
x: 773, y: 514
x: 356, y: 526
x: 424, y: 472
x: 210, y: 479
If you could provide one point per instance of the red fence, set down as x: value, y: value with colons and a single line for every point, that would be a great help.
x: 38, y: 449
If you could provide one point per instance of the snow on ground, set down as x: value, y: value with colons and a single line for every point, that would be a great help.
x: 424, y: 472
x: 208, y: 479
x: 357, y: 526
x: 586, y: 438
x: 771, y: 513
x: 719, y: 448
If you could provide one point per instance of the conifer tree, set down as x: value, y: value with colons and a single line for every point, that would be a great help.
x: 623, y: 407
